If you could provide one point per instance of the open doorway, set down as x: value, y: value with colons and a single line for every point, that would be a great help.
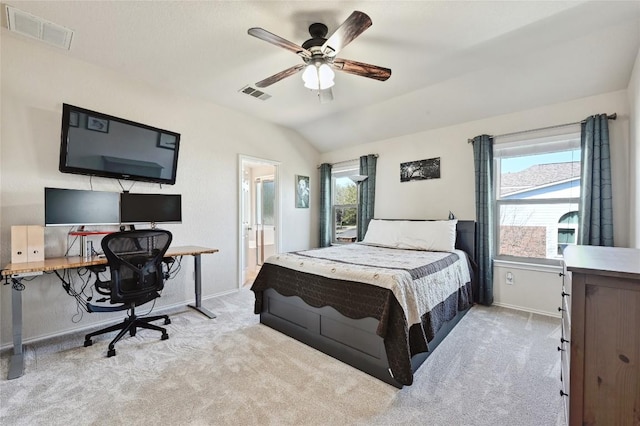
x: 259, y: 232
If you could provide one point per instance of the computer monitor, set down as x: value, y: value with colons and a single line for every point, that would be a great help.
x: 71, y: 207
x: 150, y: 208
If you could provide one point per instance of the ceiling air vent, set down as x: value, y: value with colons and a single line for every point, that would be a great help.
x: 259, y: 94
x: 34, y: 27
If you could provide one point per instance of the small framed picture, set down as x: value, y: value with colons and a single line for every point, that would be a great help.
x: 166, y: 141
x: 98, y: 124
x: 74, y: 119
x: 302, y: 192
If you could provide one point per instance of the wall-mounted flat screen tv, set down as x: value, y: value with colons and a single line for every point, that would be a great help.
x: 98, y: 144
x: 71, y: 207
x: 150, y: 208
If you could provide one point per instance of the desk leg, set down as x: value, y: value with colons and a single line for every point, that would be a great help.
x: 16, y: 365
x: 198, y: 273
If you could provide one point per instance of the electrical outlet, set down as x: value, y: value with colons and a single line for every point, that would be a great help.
x: 509, y: 278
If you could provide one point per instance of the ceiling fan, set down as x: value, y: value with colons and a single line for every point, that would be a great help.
x: 319, y: 55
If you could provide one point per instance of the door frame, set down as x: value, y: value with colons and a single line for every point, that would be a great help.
x: 244, y: 160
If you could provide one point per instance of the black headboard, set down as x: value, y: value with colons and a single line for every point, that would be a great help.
x: 466, y: 237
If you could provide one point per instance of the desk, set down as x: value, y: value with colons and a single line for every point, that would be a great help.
x: 17, y: 271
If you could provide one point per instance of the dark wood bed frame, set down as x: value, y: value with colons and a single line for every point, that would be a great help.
x: 353, y: 341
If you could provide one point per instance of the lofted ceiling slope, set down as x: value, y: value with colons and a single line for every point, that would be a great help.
x: 451, y: 61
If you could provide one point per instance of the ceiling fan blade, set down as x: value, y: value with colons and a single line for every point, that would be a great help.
x: 325, y: 95
x: 265, y: 35
x: 355, y: 24
x: 362, y: 69
x: 279, y: 76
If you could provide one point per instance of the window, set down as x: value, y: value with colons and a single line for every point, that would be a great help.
x: 537, y: 196
x: 567, y: 231
x: 344, y: 205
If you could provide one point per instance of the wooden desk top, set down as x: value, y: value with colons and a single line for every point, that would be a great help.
x: 57, y: 263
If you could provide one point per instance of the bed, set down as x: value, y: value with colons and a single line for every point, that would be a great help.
x: 382, y: 305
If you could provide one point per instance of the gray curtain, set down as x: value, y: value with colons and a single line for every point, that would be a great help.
x: 367, y: 196
x: 325, y: 205
x: 596, y: 204
x: 483, y: 161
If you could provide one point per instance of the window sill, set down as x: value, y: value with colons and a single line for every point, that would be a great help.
x: 546, y: 265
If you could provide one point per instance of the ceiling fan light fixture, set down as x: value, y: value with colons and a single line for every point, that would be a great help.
x: 326, y: 75
x: 310, y: 77
x: 318, y: 77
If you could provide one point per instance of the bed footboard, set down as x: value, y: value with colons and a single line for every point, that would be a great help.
x: 353, y: 341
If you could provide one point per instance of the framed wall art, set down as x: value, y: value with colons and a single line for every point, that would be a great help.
x: 166, y: 141
x: 420, y: 170
x: 98, y: 124
x: 74, y: 119
x: 302, y: 192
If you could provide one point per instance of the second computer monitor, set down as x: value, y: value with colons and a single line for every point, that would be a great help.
x: 71, y: 207
x: 150, y: 208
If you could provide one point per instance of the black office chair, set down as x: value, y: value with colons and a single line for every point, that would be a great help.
x: 135, y: 260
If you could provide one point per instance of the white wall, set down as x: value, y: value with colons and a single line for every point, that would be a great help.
x: 534, y: 288
x: 634, y: 151
x: 455, y: 189
x: 37, y: 80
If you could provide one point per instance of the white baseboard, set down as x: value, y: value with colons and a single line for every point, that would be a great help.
x: 525, y: 309
x: 224, y: 293
x: 158, y: 310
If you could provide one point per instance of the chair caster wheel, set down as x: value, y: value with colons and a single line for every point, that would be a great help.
x: 167, y: 321
x: 164, y: 337
x: 111, y: 352
x: 88, y: 342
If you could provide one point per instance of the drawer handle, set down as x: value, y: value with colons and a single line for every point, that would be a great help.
x: 563, y: 393
x: 560, y: 349
x: 563, y: 340
x: 560, y: 310
x: 565, y: 294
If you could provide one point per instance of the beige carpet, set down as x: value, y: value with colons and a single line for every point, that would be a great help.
x: 498, y: 367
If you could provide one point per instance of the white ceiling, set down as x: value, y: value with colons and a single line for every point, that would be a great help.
x: 451, y: 61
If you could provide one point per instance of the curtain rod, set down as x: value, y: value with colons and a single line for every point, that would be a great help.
x: 348, y: 161
x: 610, y: 117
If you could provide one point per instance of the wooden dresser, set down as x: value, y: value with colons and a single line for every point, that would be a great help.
x: 600, y: 343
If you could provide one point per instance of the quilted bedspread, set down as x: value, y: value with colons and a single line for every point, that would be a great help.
x: 412, y: 293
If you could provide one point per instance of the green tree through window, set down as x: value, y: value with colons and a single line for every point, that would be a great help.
x: 346, y: 194
x: 344, y: 202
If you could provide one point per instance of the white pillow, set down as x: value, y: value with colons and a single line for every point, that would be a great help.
x: 431, y: 235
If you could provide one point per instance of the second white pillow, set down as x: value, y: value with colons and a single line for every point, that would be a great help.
x: 431, y: 235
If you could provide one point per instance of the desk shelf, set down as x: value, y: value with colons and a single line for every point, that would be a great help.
x: 88, y: 233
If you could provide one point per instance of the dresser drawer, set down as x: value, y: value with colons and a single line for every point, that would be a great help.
x: 566, y: 294
x: 565, y: 384
x: 565, y: 355
x: 566, y: 317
